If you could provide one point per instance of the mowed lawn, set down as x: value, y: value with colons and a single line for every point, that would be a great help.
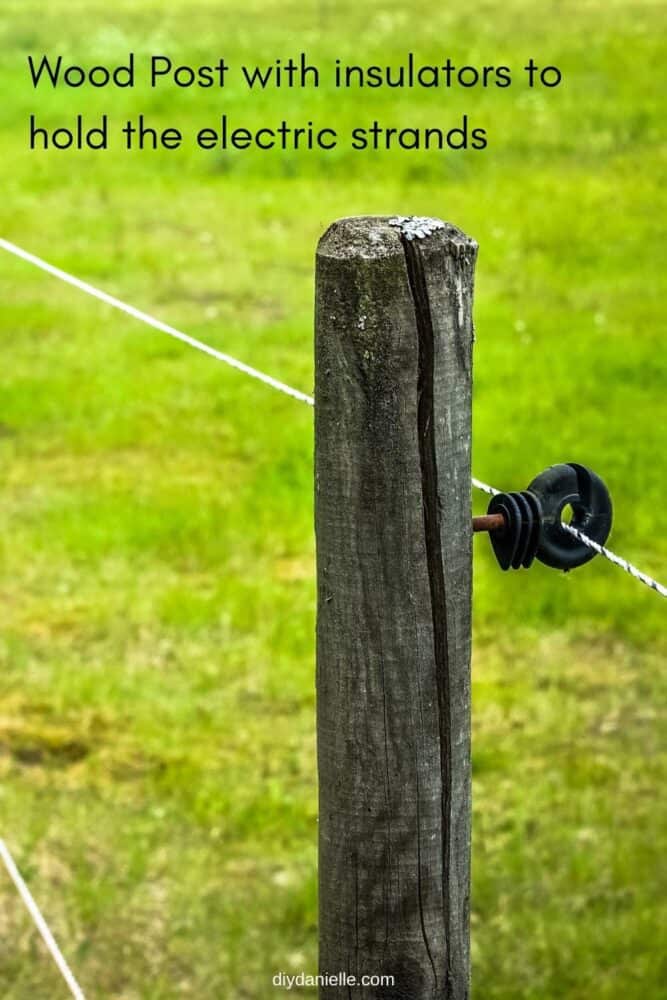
x: 157, y: 604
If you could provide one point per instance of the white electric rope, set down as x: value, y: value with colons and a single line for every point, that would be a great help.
x: 617, y: 560
x: 484, y: 487
x: 40, y: 922
x: 157, y: 324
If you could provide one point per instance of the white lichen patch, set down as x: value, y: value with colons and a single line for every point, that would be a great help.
x: 460, y: 306
x: 416, y: 227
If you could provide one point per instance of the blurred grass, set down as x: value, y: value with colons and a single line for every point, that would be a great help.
x: 156, y: 553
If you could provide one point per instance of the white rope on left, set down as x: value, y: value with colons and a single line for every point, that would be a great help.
x: 157, y: 324
x: 40, y: 922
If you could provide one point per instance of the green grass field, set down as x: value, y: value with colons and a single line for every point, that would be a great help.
x: 157, y: 753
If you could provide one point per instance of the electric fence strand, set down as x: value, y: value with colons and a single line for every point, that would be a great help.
x: 617, y: 560
x: 484, y: 487
x: 157, y: 324
x: 303, y: 397
x: 40, y: 922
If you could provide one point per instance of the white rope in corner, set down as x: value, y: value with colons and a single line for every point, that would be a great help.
x: 617, y: 560
x: 157, y: 324
x: 303, y: 397
x: 40, y: 922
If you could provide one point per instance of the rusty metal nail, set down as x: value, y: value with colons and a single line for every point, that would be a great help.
x: 488, y: 522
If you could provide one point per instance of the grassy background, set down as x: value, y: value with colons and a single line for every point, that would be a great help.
x: 156, y: 550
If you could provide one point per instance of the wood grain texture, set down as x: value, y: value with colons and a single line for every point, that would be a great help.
x: 393, y: 527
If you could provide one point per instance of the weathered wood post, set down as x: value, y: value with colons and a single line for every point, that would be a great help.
x: 393, y: 526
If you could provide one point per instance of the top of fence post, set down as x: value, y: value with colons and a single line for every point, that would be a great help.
x: 393, y: 529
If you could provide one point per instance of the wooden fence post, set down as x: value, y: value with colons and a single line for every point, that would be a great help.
x: 393, y: 527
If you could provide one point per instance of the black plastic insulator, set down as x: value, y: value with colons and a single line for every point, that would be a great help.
x: 592, y: 511
x: 516, y: 544
x: 533, y: 519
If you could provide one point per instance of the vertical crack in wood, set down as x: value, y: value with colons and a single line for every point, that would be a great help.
x: 436, y: 572
x: 419, y: 884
